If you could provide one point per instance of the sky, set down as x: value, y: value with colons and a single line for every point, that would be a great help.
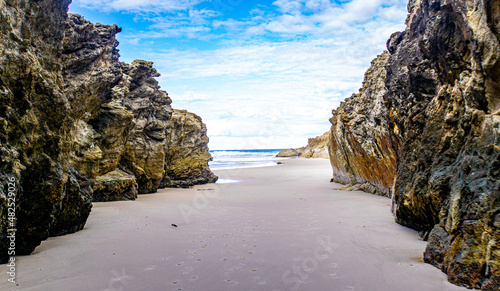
x: 261, y: 74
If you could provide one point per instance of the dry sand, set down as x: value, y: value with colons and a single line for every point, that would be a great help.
x: 278, y: 228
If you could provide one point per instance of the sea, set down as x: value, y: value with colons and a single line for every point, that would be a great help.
x: 227, y: 159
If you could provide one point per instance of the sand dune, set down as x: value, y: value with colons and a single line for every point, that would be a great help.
x: 272, y: 228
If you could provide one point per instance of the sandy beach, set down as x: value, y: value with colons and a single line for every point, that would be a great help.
x: 284, y: 227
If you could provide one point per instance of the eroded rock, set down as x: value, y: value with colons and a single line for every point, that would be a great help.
x: 117, y: 185
x: 442, y: 96
x: 187, y: 153
x: 362, y: 151
x: 70, y: 112
x: 289, y: 153
x: 144, y: 153
x: 35, y: 122
x: 317, y: 148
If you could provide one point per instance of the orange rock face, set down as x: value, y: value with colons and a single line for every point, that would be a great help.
x: 362, y: 151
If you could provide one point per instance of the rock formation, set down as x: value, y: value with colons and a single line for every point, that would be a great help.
x: 115, y: 186
x: 289, y: 153
x: 127, y: 120
x: 122, y: 115
x: 362, y: 152
x: 73, y: 120
x: 91, y: 72
x: 145, y: 147
x: 187, y: 153
x: 317, y: 148
x: 35, y: 122
x: 441, y: 95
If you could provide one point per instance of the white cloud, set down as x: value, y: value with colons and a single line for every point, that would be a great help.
x: 268, y: 89
x: 289, y: 6
x: 273, y: 77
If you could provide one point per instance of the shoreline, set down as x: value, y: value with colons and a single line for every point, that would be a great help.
x: 279, y: 228
x: 270, y: 164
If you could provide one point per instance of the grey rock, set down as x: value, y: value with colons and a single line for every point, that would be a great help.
x: 441, y: 93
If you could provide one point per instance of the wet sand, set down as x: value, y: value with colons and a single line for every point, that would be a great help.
x: 272, y: 228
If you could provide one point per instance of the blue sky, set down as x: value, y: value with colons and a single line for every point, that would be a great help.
x: 261, y: 74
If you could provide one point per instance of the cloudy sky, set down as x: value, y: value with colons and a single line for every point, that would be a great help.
x: 262, y: 74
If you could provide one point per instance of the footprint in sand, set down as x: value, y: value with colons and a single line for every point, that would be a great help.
x: 232, y: 282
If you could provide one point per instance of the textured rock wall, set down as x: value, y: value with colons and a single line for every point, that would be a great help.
x: 91, y: 71
x: 71, y: 113
x: 123, y: 118
x: 442, y: 100
x: 35, y: 125
x: 145, y: 146
x: 362, y: 152
x: 444, y: 91
x: 187, y: 153
x: 122, y: 115
x: 115, y: 186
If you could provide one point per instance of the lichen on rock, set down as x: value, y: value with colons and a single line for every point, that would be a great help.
x: 187, y: 156
x: 35, y: 124
x: 115, y: 186
x: 144, y: 153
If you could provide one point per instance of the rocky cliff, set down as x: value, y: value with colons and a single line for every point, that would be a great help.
x: 144, y: 153
x: 35, y: 121
x: 362, y: 152
x: 187, y: 153
x: 122, y: 116
x: 441, y: 123
x: 74, y: 120
x: 317, y: 148
x: 91, y: 73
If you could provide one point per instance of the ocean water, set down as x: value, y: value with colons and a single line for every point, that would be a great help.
x: 226, y: 159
